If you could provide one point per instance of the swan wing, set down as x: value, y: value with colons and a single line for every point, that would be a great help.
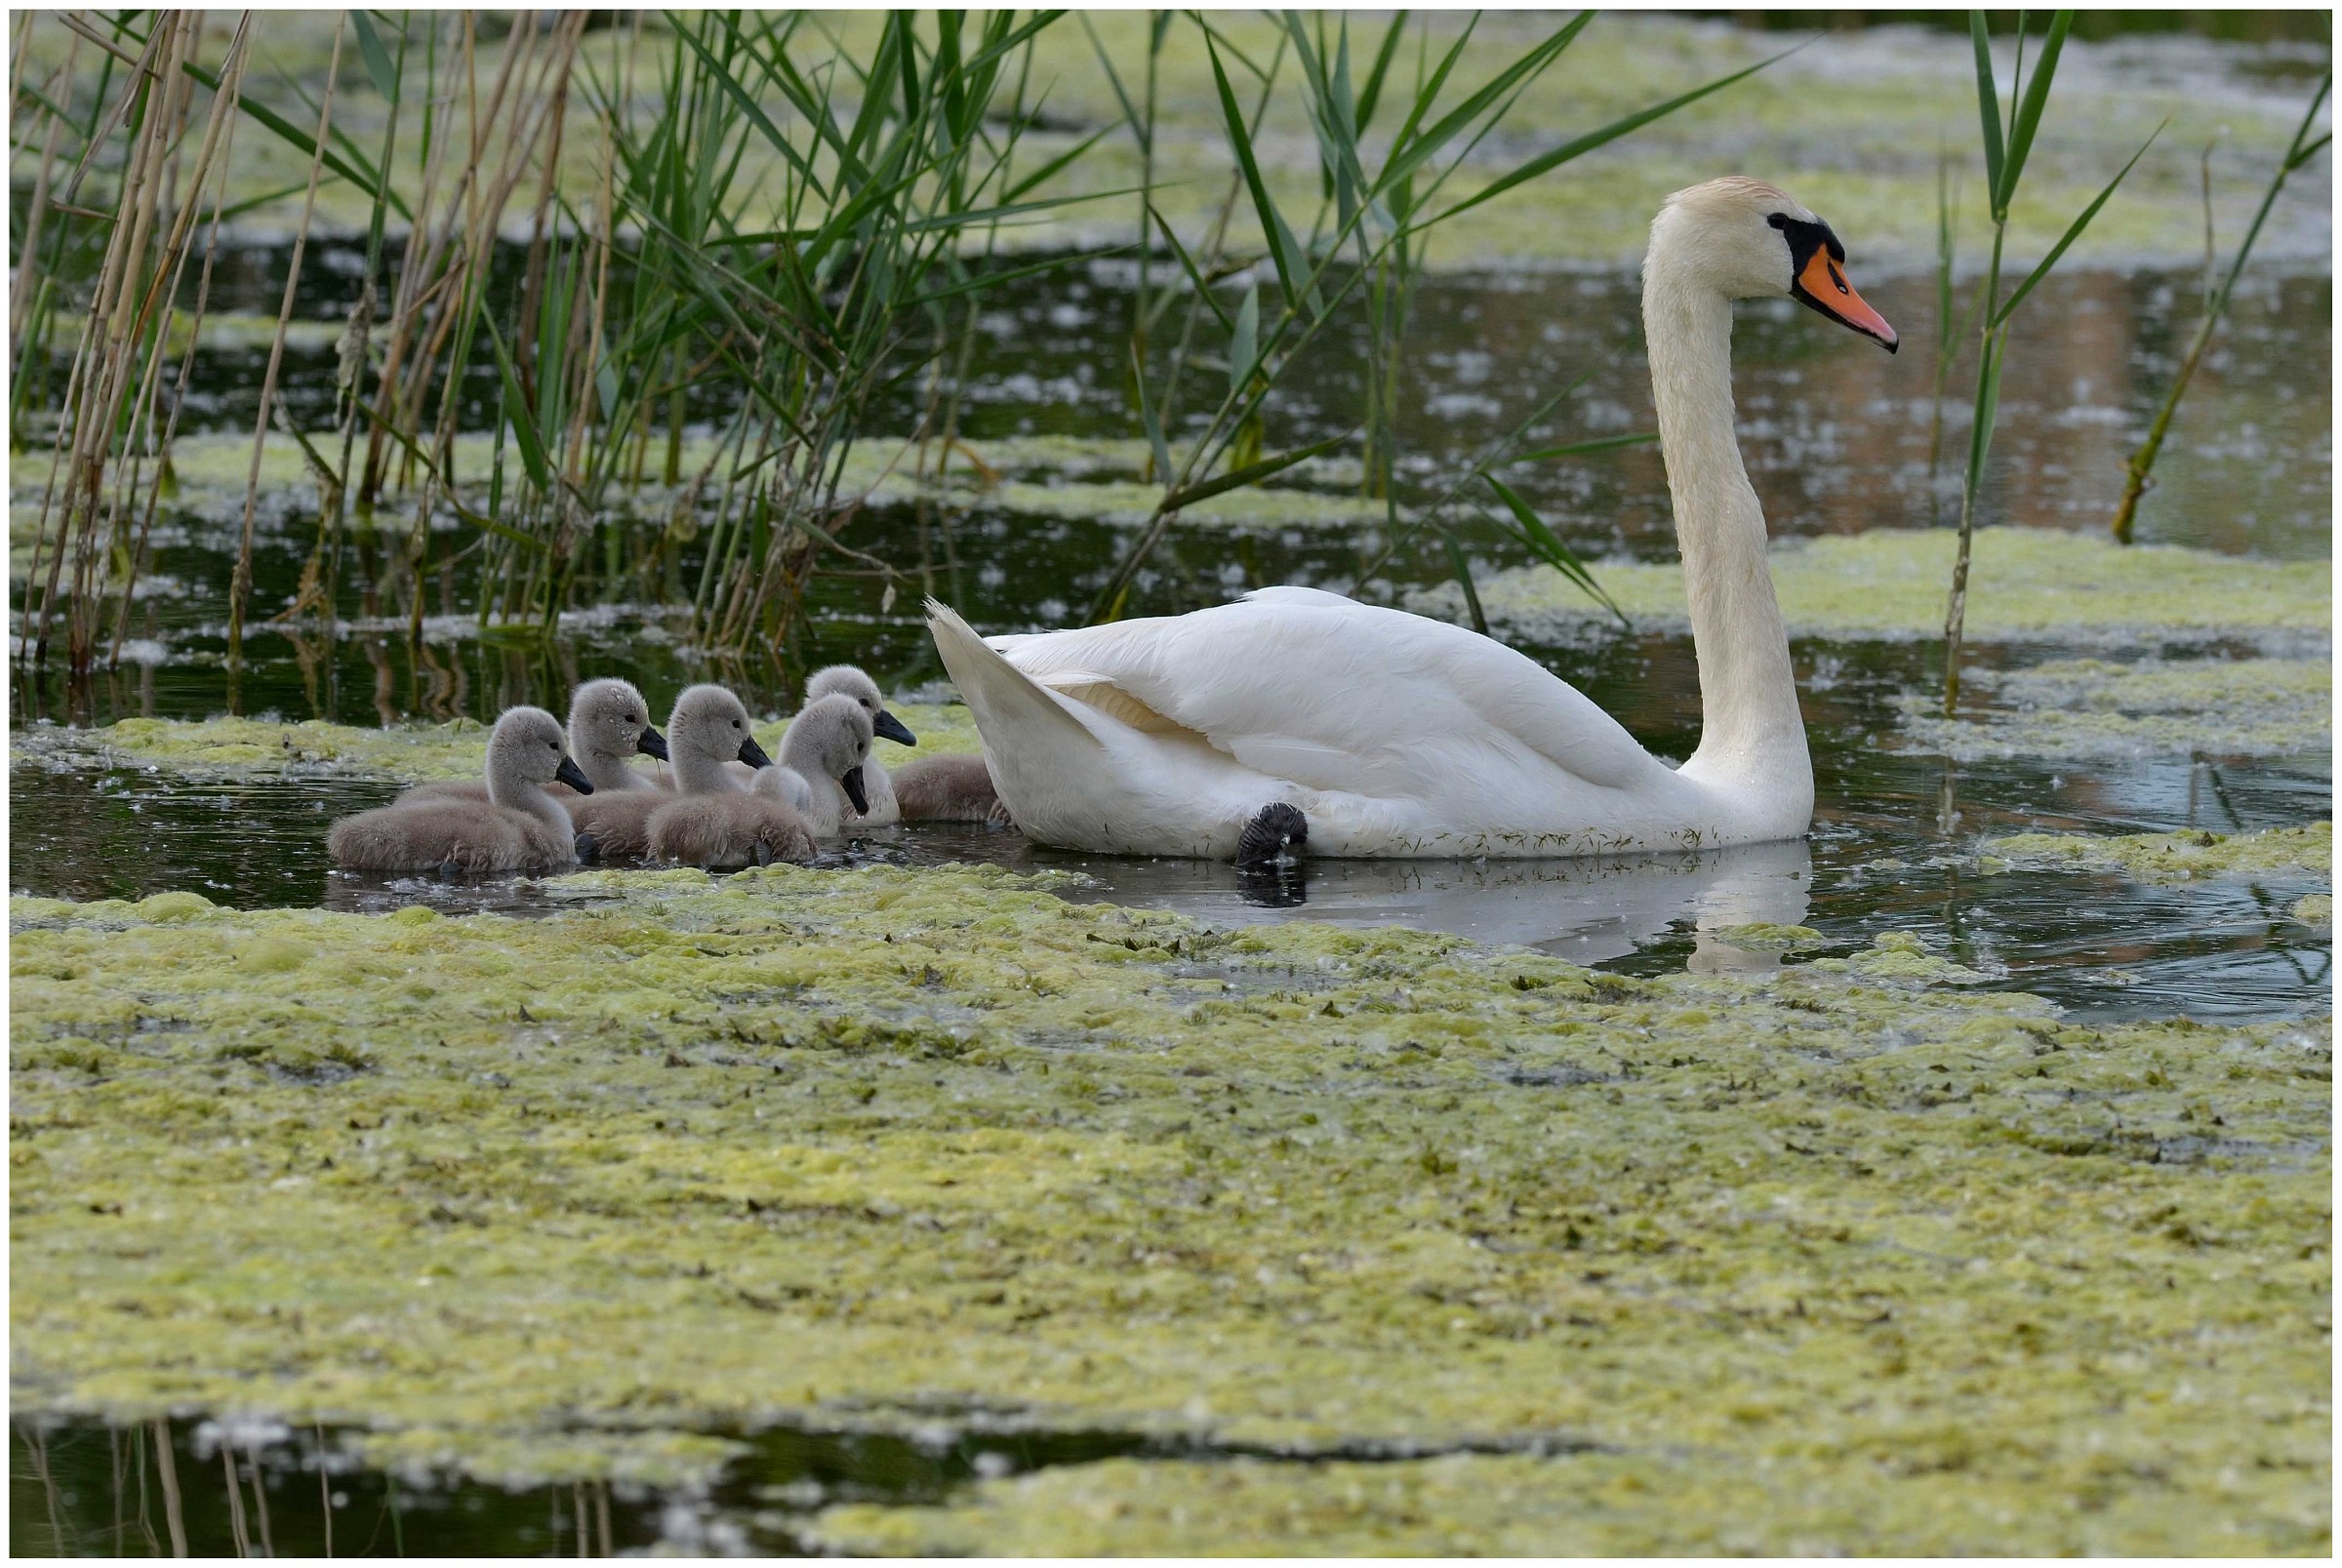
x: 1340, y: 696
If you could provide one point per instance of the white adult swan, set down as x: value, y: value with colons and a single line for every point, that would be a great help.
x: 1400, y: 735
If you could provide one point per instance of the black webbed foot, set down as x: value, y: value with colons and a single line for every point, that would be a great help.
x: 1273, y: 836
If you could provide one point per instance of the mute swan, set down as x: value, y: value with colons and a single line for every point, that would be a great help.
x: 1399, y: 736
x: 825, y: 761
x: 850, y: 680
x: 719, y: 823
x: 948, y: 789
x: 609, y: 723
x: 518, y: 827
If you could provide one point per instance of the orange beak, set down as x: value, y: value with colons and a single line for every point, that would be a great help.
x: 1823, y: 285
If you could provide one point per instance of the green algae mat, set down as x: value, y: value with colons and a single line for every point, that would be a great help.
x: 2026, y: 585
x: 1428, y: 1247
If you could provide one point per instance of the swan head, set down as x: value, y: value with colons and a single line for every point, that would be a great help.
x: 709, y: 726
x: 608, y: 718
x: 848, y: 680
x: 1747, y: 240
x: 831, y: 739
x: 528, y: 746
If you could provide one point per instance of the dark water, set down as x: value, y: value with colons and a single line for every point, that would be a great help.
x: 88, y: 1489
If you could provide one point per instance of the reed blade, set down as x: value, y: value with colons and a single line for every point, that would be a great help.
x: 2028, y: 116
x: 1988, y: 108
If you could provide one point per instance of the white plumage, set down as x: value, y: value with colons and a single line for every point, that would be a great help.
x: 1401, y: 736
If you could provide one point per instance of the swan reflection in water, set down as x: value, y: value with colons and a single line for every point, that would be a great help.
x: 1585, y: 910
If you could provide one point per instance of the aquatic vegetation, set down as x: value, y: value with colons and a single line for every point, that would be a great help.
x: 2179, y: 856
x: 2094, y: 709
x: 2004, y: 160
x: 457, y: 750
x: 1583, y: 1503
x: 2315, y: 909
x: 1766, y: 937
x: 2028, y: 583
x: 883, y: 1147
x: 1235, y: 509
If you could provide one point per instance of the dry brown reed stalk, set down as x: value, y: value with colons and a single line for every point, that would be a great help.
x: 325, y: 1491
x: 174, y: 1517
x: 259, y: 1497
x: 240, y: 586
x: 127, y: 316
x: 235, y: 1502
x: 36, y: 212
x: 220, y: 136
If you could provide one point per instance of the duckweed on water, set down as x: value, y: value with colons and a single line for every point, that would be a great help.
x: 2167, y: 858
x: 247, y: 746
x: 2091, y: 710
x: 1932, y: 1270
x: 2027, y: 583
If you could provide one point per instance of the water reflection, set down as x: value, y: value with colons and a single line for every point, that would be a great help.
x: 1587, y: 911
x: 259, y: 1489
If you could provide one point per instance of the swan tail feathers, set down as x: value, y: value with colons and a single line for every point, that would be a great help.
x: 1026, y: 727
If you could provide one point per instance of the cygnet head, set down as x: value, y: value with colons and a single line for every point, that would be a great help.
x: 831, y: 739
x: 527, y: 746
x: 608, y: 718
x: 709, y: 726
x: 1747, y: 240
x: 848, y: 680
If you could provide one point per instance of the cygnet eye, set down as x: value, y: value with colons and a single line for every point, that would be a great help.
x: 736, y: 724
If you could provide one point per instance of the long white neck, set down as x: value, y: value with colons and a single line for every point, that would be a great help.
x: 508, y: 787
x: 1752, y: 736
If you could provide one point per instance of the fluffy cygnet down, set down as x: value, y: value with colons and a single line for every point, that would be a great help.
x: 949, y: 790
x: 620, y: 825
x: 715, y: 820
x: 518, y: 827
x: 827, y: 752
x: 849, y: 680
x: 609, y: 723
